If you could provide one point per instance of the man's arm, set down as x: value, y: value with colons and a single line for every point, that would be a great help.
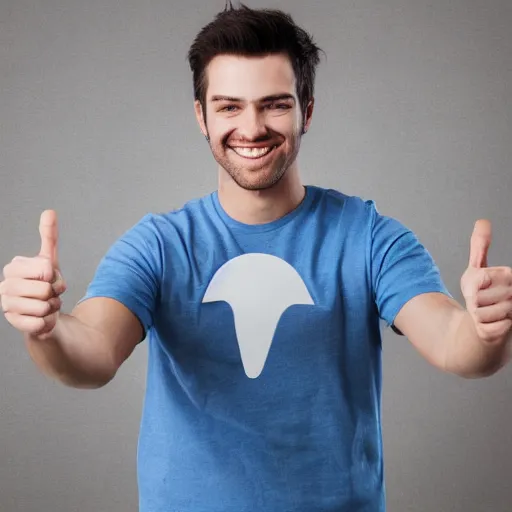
x: 444, y: 333
x: 87, y: 347
x: 471, y: 341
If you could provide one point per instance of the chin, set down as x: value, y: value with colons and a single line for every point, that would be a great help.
x: 257, y: 180
x: 254, y: 187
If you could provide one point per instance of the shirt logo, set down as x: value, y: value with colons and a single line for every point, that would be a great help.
x: 259, y: 288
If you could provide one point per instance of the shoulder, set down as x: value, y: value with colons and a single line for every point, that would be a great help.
x: 353, y: 206
x: 176, y: 219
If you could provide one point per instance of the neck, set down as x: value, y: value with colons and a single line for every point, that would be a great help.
x: 261, y: 206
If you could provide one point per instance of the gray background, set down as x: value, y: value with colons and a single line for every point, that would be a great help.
x: 413, y: 110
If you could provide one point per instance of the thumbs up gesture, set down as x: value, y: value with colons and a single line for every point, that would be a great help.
x: 487, y: 290
x: 31, y: 289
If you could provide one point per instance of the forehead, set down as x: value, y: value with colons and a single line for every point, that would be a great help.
x: 250, y: 77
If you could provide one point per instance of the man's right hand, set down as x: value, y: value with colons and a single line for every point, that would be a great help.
x: 31, y: 289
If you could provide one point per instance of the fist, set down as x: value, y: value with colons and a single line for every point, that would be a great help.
x: 31, y: 289
x: 487, y: 290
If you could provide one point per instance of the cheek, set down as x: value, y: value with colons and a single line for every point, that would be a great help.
x: 219, y: 129
x: 288, y: 126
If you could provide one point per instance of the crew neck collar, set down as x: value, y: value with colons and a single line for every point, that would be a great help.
x: 268, y: 226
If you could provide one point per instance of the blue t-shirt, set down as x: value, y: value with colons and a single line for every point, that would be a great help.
x: 264, y: 371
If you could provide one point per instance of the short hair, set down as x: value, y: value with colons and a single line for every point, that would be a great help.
x: 255, y: 32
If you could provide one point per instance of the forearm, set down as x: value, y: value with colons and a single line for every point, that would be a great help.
x: 467, y: 355
x: 73, y: 353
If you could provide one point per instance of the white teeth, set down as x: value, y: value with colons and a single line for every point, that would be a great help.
x: 253, y: 152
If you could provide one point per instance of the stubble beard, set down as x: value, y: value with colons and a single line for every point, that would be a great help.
x: 261, y: 179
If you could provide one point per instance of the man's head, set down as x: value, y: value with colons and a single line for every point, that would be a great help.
x: 253, y: 74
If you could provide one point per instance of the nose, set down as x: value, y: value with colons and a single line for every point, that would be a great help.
x: 252, y: 124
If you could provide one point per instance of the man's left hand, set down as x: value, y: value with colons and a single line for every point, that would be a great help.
x: 487, y: 290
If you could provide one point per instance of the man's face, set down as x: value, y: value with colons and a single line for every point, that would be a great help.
x: 253, y: 118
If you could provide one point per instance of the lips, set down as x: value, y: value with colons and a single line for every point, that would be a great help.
x: 252, y: 152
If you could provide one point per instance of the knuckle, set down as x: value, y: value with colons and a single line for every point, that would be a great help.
x: 14, y: 268
x: 5, y: 304
x: 48, y: 291
x: 5, y: 270
x: 46, y: 272
x: 57, y: 306
x: 53, y: 306
x: 45, y: 309
x: 11, y: 319
x: 17, y: 321
x: 41, y: 308
x: 9, y: 304
x: 48, y: 323
x: 37, y: 326
x: 8, y: 287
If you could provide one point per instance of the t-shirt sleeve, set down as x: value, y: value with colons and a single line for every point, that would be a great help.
x: 401, y: 266
x: 130, y: 272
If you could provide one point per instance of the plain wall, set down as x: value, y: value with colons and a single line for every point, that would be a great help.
x: 413, y: 110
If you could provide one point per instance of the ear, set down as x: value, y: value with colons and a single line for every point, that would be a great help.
x: 308, y: 115
x: 200, y: 118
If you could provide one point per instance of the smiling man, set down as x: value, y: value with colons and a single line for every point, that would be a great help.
x: 261, y: 303
x: 254, y: 120
x: 252, y: 117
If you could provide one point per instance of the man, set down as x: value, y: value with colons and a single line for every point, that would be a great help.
x: 261, y: 303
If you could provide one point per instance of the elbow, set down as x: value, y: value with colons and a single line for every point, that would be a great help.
x: 96, y: 380
x: 478, y: 373
x: 472, y: 375
x: 90, y: 384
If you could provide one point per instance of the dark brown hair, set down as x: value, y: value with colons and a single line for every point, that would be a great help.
x: 252, y: 32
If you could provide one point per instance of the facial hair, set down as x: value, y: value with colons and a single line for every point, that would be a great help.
x: 256, y: 179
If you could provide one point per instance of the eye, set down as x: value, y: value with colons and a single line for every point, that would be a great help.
x: 229, y: 108
x: 278, y: 106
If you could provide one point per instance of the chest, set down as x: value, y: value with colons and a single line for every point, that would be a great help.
x: 263, y: 305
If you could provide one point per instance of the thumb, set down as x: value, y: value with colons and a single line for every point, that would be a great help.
x: 480, y: 243
x: 49, y: 236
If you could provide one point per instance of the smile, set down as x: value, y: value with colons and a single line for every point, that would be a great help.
x: 252, y: 153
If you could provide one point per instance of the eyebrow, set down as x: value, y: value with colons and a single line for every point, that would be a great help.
x: 272, y: 97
